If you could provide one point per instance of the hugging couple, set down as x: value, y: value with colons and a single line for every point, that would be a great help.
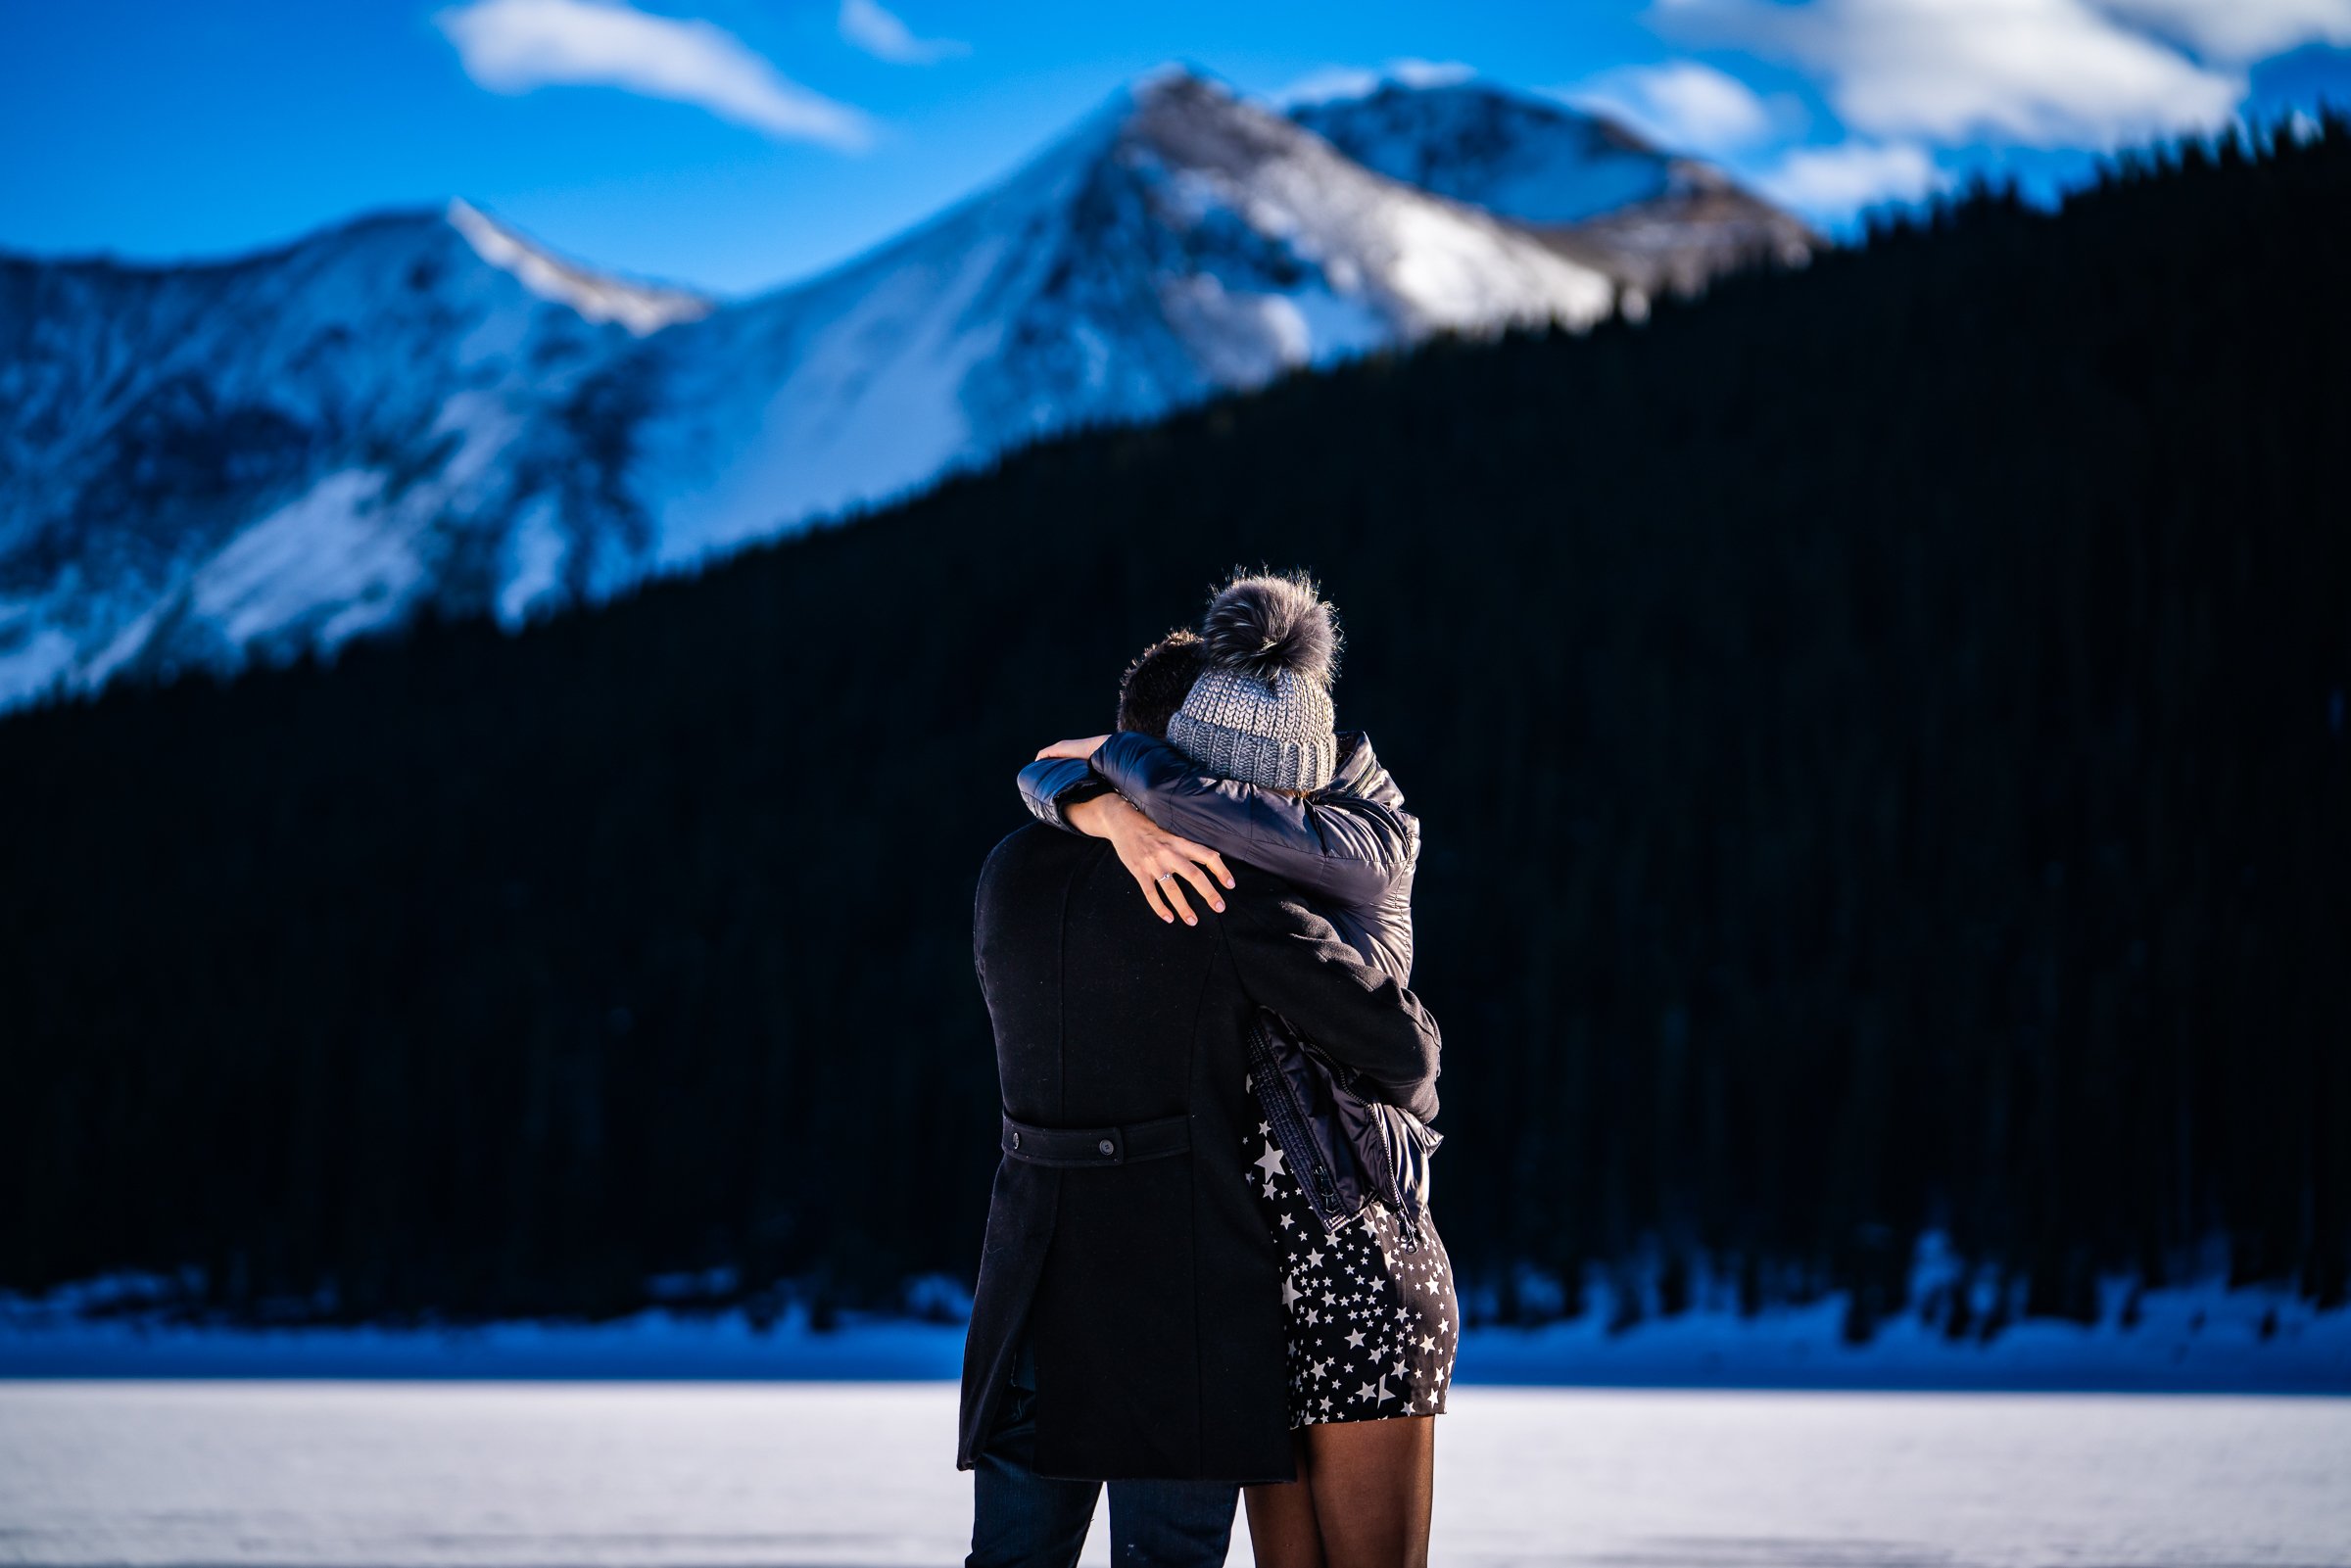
x: 1210, y: 1269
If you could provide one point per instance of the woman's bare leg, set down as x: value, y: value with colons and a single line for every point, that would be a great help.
x: 1374, y: 1483
x: 1282, y: 1530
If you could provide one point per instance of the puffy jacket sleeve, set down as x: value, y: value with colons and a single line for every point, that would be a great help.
x: 1051, y: 785
x: 1341, y: 847
x: 1288, y: 958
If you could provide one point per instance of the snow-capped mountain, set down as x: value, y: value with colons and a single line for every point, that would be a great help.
x: 1592, y: 189
x: 203, y: 465
x: 1180, y: 243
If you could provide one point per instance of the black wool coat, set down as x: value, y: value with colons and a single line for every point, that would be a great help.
x: 1151, y: 1290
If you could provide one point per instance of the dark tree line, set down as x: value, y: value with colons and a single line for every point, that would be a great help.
x: 1881, y: 732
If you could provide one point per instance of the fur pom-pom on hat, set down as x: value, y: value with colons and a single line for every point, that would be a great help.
x: 1261, y: 626
x: 1261, y: 711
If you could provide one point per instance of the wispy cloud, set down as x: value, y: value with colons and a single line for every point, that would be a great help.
x: 2239, y: 31
x: 1332, y: 83
x: 1832, y: 184
x: 513, y: 46
x: 1681, y: 104
x: 2030, y: 72
x: 883, y: 35
x: 1429, y: 72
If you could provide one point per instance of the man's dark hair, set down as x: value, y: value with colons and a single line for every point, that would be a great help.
x: 1156, y: 684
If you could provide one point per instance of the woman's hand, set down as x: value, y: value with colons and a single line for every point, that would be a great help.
x: 1159, y: 861
x: 1076, y: 750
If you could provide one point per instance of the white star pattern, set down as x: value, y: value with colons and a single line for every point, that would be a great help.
x: 1404, y: 1348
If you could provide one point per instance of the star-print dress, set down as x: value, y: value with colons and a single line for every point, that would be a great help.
x: 1372, y: 1326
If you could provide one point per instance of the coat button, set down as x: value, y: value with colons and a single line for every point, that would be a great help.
x: 1107, y: 1147
x: 1016, y: 1140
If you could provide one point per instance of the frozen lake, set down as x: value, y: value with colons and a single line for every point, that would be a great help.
x: 532, y: 1475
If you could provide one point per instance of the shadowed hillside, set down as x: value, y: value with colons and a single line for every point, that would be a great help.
x: 1881, y: 732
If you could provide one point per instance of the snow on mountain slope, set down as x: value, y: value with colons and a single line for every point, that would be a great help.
x: 1592, y: 189
x: 639, y: 306
x: 1180, y: 243
x: 203, y: 464
x: 1525, y: 159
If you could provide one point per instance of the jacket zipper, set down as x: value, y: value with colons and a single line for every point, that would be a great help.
x: 1289, y: 1127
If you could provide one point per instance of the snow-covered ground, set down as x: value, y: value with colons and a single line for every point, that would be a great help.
x: 488, y: 1475
x: 2192, y: 1339
x: 682, y: 1440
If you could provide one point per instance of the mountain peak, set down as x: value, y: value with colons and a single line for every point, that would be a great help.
x: 1179, y: 76
x: 1589, y: 188
x: 641, y: 307
x: 1181, y: 242
x: 1528, y: 158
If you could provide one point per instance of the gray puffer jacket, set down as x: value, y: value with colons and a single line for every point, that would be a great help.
x: 1351, y: 845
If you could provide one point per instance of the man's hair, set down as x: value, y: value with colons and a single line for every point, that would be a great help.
x: 1156, y: 684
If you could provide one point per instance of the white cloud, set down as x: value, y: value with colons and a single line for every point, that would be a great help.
x: 1329, y: 85
x: 1335, y: 82
x: 513, y: 46
x: 883, y: 35
x: 1831, y: 184
x: 2032, y: 72
x: 1429, y: 72
x: 1680, y: 104
x: 2238, y: 30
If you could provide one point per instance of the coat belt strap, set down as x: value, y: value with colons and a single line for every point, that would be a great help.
x: 1097, y: 1146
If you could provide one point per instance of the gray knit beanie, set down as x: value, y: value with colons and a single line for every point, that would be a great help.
x: 1261, y: 712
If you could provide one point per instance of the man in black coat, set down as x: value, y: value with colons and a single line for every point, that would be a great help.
x: 1127, y: 1325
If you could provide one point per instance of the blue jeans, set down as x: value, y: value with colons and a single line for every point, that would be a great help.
x: 1020, y: 1519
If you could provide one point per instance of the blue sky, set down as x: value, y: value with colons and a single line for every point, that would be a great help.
x: 737, y: 144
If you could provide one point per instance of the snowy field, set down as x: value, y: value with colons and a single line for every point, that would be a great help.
x: 715, y: 1475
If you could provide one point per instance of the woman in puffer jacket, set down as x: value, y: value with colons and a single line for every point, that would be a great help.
x: 1247, y: 763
